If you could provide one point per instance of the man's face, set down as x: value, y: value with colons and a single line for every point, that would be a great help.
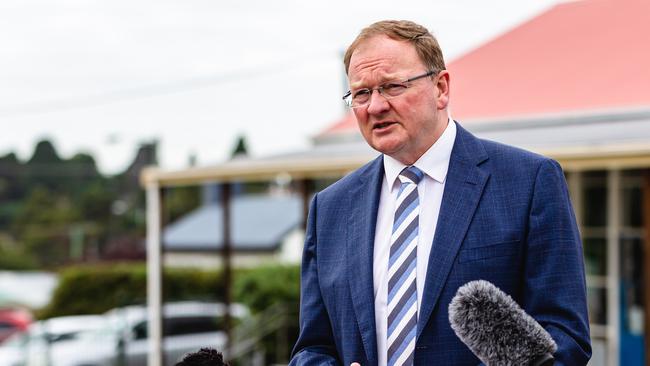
x: 405, y: 126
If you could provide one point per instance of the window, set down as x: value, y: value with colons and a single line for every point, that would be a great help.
x: 182, y: 325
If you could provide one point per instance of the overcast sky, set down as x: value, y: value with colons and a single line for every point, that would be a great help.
x: 102, y: 76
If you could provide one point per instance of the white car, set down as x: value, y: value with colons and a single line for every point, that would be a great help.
x: 12, y: 351
x: 119, y: 337
x: 187, y: 327
x: 53, y: 342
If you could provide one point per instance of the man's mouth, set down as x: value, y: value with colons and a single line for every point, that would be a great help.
x: 382, y: 125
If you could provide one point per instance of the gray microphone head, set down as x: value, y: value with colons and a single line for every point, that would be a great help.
x: 496, y: 329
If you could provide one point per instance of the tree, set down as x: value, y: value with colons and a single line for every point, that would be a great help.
x: 241, y: 147
x: 10, y: 172
x: 43, y: 168
x: 42, y: 226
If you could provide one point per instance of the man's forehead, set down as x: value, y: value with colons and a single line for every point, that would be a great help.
x: 377, y: 71
x: 381, y: 58
x: 380, y: 77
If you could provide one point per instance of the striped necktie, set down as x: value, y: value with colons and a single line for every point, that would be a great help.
x: 402, y: 290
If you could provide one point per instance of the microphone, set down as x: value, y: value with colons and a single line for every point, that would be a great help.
x: 496, y: 329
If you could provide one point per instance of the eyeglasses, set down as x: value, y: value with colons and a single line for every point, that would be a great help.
x: 391, y: 89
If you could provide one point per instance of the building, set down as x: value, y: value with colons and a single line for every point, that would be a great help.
x: 574, y: 84
x: 196, y: 239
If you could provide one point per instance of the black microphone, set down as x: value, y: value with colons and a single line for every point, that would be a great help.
x: 496, y: 329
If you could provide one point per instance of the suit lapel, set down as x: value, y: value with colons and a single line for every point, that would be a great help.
x: 364, y: 202
x: 463, y: 188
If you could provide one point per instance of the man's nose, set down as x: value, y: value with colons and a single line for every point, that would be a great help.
x: 378, y: 103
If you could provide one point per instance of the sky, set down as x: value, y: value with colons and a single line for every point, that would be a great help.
x: 101, y: 77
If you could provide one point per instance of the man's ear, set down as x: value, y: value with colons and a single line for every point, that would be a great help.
x: 442, y: 89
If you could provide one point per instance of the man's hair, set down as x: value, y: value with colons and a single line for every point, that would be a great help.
x: 424, y: 42
x: 204, y: 357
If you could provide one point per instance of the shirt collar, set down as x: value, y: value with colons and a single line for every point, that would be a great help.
x: 434, y: 162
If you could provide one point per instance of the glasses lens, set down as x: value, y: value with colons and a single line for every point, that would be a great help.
x: 361, y: 97
x: 393, y: 89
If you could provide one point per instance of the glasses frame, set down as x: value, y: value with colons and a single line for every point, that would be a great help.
x: 380, y: 89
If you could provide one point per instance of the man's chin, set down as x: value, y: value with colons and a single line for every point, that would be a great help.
x: 388, y: 149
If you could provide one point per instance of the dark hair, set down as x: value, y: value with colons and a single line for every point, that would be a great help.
x: 204, y: 357
x: 424, y: 42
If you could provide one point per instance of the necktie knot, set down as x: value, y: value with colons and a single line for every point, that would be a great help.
x: 411, y: 174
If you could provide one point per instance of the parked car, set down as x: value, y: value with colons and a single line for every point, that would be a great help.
x: 12, y: 351
x: 53, y: 342
x: 13, y: 321
x: 119, y: 337
x: 187, y: 326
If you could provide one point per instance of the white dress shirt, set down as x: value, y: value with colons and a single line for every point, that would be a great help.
x: 434, y: 163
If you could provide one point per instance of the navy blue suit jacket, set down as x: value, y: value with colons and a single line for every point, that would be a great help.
x: 505, y: 218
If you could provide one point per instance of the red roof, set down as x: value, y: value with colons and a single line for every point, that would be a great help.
x: 343, y: 125
x: 589, y: 55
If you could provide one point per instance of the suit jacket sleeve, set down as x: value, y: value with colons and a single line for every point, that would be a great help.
x: 555, y: 290
x: 315, y: 345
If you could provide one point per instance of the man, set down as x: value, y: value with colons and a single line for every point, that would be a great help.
x: 388, y: 246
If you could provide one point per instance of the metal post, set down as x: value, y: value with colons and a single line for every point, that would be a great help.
x: 574, y: 182
x: 646, y: 263
x: 613, y: 267
x: 227, y: 263
x: 154, y: 273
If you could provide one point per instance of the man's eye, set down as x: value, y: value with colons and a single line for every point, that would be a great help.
x: 361, y: 94
x: 394, y: 89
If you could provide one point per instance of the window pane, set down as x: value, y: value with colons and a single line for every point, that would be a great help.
x: 597, y: 302
x: 190, y: 325
x: 595, y: 256
x: 140, y: 331
x: 631, y: 210
x: 632, y: 289
x: 595, y: 206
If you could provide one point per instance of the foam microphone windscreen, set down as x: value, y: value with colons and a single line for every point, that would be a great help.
x: 496, y: 329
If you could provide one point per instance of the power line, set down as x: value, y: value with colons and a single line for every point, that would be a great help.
x: 134, y: 93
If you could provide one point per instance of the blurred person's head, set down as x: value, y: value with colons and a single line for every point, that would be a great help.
x: 402, y: 62
x: 204, y: 357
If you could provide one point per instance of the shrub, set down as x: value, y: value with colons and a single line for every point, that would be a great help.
x: 99, y: 288
x: 95, y: 289
x: 262, y: 287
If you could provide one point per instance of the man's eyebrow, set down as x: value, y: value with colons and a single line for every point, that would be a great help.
x: 384, y: 79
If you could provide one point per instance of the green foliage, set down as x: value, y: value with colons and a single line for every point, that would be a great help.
x: 42, y: 223
x: 8, y: 211
x: 262, y: 287
x: 80, y: 172
x: 59, y: 210
x: 44, y: 208
x: 181, y: 200
x: 95, y: 202
x: 13, y: 258
x: 241, y: 147
x: 192, y: 284
x: 45, y: 153
x: 96, y: 289
x: 44, y: 167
